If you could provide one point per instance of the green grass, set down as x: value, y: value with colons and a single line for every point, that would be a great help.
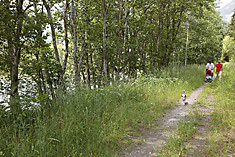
x: 176, y: 144
x: 222, y: 135
x: 98, y: 122
x: 221, y: 141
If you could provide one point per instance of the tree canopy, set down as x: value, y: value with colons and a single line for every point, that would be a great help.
x: 95, y: 42
x: 228, y: 42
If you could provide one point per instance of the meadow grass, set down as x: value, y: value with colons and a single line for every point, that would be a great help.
x: 222, y: 136
x: 98, y: 122
x: 177, y: 144
x: 221, y: 141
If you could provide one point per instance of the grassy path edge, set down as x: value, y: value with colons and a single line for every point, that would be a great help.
x: 157, y: 137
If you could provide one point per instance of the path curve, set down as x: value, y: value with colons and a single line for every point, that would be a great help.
x: 156, y: 139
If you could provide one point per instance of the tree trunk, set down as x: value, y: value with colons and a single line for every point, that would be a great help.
x: 167, y: 52
x: 119, y: 46
x: 15, y: 50
x: 144, y: 50
x: 160, y: 29
x: 88, y: 68
x: 81, y: 57
x: 49, y: 81
x: 66, y: 42
x: 157, y: 46
x: 104, y: 41
x: 76, y: 74
x: 186, y: 52
x: 39, y: 69
x: 94, y: 80
x: 125, y: 49
x: 52, y: 32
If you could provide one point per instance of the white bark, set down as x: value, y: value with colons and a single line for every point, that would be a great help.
x: 76, y: 74
x: 186, y: 52
x: 52, y: 31
x: 104, y: 40
x: 66, y: 42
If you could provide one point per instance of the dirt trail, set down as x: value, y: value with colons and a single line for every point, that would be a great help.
x: 156, y: 139
x: 199, y: 144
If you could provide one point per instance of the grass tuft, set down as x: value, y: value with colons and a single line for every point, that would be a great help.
x: 98, y: 122
x: 221, y: 96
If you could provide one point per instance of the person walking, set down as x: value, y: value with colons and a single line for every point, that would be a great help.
x: 210, y: 66
x: 219, y: 69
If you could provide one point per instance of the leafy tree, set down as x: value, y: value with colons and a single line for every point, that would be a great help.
x: 206, y: 37
x: 94, y: 42
x: 228, y: 42
x: 228, y: 49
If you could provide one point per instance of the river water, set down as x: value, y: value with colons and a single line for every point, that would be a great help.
x: 27, y: 88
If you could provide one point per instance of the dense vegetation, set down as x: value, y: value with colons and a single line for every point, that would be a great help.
x: 229, y: 42
x: 96, y: 122
x: 95, y: 42
x: 219, y: 141
x: 80, y: 77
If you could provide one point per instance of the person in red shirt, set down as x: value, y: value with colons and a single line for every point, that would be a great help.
x: 219, y: 69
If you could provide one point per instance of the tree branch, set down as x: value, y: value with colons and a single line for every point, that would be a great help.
x: 27, y: 8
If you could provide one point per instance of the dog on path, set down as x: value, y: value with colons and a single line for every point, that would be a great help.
x: 184, y: 96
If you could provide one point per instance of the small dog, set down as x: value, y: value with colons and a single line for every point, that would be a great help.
x: 184, y: 96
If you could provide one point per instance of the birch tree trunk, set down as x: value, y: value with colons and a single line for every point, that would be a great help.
x: 81, y: 58
x: 15, y: 51
x: 66, y: 42
x: 125, y: 36
x: 160, y: 29
x: 41, y: 82
x: 167, y: 53
x: 74, y: 31
x: 88, y: 68
x: 52, y: 32
x: 104, y: 41
x: 186, y: 52
x: 119, y: 46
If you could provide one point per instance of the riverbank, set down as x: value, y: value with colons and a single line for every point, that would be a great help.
x: 96, y: 122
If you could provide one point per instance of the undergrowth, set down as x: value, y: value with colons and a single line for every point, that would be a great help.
x: 222, y: 136
x: 97, y: 122
x: 176, y: 145
x: 220, y: 141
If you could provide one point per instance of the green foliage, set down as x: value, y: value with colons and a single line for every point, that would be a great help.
x: 206, y: 35
x: 221, y: 141
x: 228, y: 42
x: 176, y: 145
x: 224, y: 100
x: 141, y: 36
x: 95, y: 122
x: 221, y: 138
x: 228, y: 49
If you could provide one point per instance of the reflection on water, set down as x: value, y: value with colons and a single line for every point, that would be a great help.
x: 4, y: 88
x: 27, y: 88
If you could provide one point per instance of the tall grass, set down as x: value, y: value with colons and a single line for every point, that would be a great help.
x: 96, y: 122
x: 221, y: 141
x: 176, y: 144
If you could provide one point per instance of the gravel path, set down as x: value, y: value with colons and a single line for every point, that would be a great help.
x: 156, y: 139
